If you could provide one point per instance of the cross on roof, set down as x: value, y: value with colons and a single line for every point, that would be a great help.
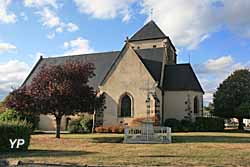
x: 151, y: 13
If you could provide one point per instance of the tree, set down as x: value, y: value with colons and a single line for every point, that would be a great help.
x: 232, y: 98
x: 59, y: 90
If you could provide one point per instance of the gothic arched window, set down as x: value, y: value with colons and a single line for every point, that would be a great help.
x: 126, y: 106
x: 196, y: 105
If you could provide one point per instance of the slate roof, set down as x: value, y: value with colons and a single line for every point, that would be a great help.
x: 180, y: 77
x: 102, y: 62
x: 154, y: 68
x: 176, y: 77
x: 152, y: 59
x: 154, y: 54
x: 149, y: 31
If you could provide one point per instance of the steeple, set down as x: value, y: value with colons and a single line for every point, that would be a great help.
x: 149, y: 31
x: 150, y: 36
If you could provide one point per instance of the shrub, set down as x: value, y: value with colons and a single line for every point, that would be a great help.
x: 12, y: 115
x: 187, y: 125
x: 75, y: 126
x: 9, y: 115
x: 109, y: 129
x: 99, y: 129
x: 138, y: 121
x: 209, y: 124
x: 81, y: 125
x: 86, y: 124
x: 14, y: 130
x: 173, y: 123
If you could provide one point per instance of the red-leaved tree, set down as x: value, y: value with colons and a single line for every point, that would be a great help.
x: 59, y: 90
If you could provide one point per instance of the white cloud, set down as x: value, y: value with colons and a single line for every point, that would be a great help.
x: 236, y: 16
x: 105, y: 9
x: 7, y: 47
x: 214, y: 71
x: 24, y: 16
x: 77, y: 46
x: 12, y: 75
x: 219, y: 64
x: 40, y: 3
x: 72, y: 27
x: 186, y: 22
x: 47, y: 9
x: 208, y: 97
x: 5, y: 15
x: 51, y: 35
x: 190, y: 22
x: 49, y: 18
x: 59, y: 29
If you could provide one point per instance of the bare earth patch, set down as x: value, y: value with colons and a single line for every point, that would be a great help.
x: 187, y: 149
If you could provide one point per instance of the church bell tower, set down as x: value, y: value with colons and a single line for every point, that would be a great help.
x: 150, y: 36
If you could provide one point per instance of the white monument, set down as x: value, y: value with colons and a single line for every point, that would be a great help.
x: 147, y: 132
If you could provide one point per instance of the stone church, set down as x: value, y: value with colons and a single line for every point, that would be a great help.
x: 144, y: 77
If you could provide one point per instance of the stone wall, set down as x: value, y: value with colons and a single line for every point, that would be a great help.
x: 129, y: 76
x: 176, y: 102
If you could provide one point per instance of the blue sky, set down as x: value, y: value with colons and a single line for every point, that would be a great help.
x: 215, y: 33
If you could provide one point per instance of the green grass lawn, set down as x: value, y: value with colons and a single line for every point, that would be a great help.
x: 187, y: 149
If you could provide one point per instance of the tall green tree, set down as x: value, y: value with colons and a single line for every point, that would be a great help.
x: 232, y: 98
x: 59, y: 90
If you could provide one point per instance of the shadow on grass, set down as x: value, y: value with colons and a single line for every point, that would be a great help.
x: 160, y: 156
x: 43, y: 153
x: 177, y: 156
x: 107, y: 139
x: 210, y: 139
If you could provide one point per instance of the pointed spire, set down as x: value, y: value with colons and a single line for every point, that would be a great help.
x: 148, y: 31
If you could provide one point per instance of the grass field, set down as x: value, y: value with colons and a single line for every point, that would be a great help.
x: 187, y: 149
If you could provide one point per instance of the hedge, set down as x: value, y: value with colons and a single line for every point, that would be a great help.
x: 207, y: 124
x: 174, y: 124
x: 12, y: 115
x: 201, y: 124
x: 14, y: 130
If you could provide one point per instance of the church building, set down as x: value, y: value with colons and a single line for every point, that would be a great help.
x: 144, y: 77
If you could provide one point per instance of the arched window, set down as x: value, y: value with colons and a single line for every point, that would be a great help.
x: 126, y: 106
x: 196, y: 105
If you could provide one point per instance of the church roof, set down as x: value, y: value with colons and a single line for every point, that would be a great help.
x: 102, y: 62
x: 179, y: 77
x: 152, y: 59
x: 147, y: 32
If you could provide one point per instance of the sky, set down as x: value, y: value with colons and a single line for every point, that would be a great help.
x: 215, y: 34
